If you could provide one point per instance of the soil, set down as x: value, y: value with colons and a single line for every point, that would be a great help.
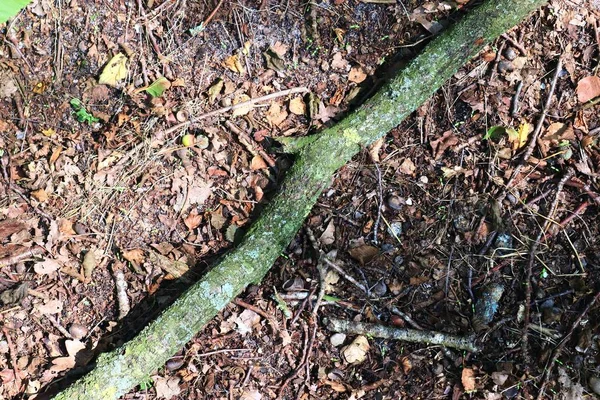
x: 119, y: 190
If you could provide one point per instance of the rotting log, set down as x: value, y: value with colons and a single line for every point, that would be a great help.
x: 119, y: 371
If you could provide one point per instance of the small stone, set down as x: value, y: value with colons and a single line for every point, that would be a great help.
x: 380, y: 289
x: 409, y: 202
x: 395, y: 228
x: 424, y: 179
x: 337, y: 339
x: 595, y: 384
x: 510, y: 54
x: 78, y: 331
x: 505, y: 66
x: 175, y: 363
x: 202, y: 141
x: 395, y: 202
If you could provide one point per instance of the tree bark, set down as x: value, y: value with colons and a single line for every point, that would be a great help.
x: 119, y: 371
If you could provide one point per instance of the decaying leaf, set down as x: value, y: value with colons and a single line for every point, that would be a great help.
x: 588, y: 88
x: 215, y: 90
x: 407, y: 167
x: 89, y: 263
x: 276, y: 114
x: 166, y: 388
x: 14, y: 295
x: 440, y: 145
x: 356, y: 352
x: 241, y: 111
x: 51, y: 307
x: 468, y: 379
x: 40, y: 195
x: 297, y: 106
x: 175, y: 268
x: 234, y: 64
x: 364, y: 253
x: 246, y: 321
x: 257, y: 163
x: 357, y: 75
x: 328, y: 236
x: 46, y: 267
x: 114, y: 71
x: 518, y: 138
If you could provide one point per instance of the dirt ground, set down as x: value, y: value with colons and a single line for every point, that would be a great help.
x: 125, y: 174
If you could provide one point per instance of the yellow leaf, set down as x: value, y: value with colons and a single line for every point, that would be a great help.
x: 48, y: 132
x: 518, y: 138
x: 114, y: 71
x: 233, y: 63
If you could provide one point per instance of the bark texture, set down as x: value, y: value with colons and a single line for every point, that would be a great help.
x: 119, y: 371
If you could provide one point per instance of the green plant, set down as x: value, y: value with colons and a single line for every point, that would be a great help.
x: 81, y: 113
x: 10, y: 8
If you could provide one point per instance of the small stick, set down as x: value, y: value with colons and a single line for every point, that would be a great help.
x: 235, y: 107
x: 561, y: 345
x: 536, y: 133
x: 211, y: 353
x: 514, y: 104
x: 251, y: 144
x: 24, y: 254
x: 345, y: 275
x: 58, y: 326
x: 407, y: 335
x: 496, y: 61
x: 529, y: 271
x: 514, y: 44
x: 300, y: 366
x: 197, y: 29
x: 272, y: 321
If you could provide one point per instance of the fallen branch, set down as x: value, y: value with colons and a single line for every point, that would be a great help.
x: 407, y: 335
x: 119, y: 371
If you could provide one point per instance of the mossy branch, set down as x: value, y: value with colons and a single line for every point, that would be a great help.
x: 119, y: 371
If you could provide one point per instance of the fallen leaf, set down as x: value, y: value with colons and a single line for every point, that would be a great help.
x: 328, y: 236
x: 166, y: 388
x: 134, y: 256
x: 243, y: 110
x: 215, y: 90
x: 337, y: 386
x: 62, y: 364
x: 73, y: 347
x: 407, y: 167
x: 48, y: 132
x: 246, y: 321
x: 46, y: 267
x: 440, y: 145
x: 158, y: 87
x: 297, y: 106
x: 193, y: 220
x: 250, y: 394
x: 588, y: 88
x: 40, y: 195
x: 468, y: 380
x: 89, y: 263
x: 357, y: 74
x: 51, y: 307
x: 257, y: 163
x: 234, y: 64
x: 276, y: 115
x: 364, y: 253
x: 279, y: 48
x: 114, y: 71
x: 339, y: 62
x: 356, y: 352
x: 518, y: 138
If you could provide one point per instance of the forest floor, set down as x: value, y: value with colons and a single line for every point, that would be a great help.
x: 120, y: 185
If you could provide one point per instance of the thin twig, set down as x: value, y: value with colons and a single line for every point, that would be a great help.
x: 561, y: 345
x: 235, y: 107
x: 514, y: 44
x: 534, y: 137
x: 23, y: 254
x: 529, y: 271
x: 379, y: 206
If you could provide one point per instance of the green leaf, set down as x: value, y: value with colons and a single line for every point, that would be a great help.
x: 158, y: 87
x: 81, y: 113
x: 10, y: 8
x: 494, y: 133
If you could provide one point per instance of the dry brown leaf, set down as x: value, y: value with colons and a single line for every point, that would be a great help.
x: 51, y: 307
x: 276, y: 115
x: 328, y: 236
x: 406, y: 364
x: 468, y: 379
x: 65, y: 227
x: 336, y: 386
x: 356, y: 352
x: 89, y: 263
x: 588, y: 88
x: 166, y: 388
x: 193, y: 220
x: 279, y: 48
x: 357, y: 74
x: 374, y: 149
x: 257, y: 163
x: 418, y: 280
x: 46, y: 267
x: 339, y: 62
x: 233, y: 63
x: 238, y: 112
x: 440, y: 145
x: 407, y: 167
x: 73, y: 347
x: 364, y: 253
x: 62, y: 364
x: 40, y: 195
x: 134, y: 256
x: 297, y: 106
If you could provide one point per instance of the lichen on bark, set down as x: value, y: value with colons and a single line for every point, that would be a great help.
x: 316, y: 162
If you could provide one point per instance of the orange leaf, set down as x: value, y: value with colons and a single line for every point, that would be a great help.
x: 588, y: 88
